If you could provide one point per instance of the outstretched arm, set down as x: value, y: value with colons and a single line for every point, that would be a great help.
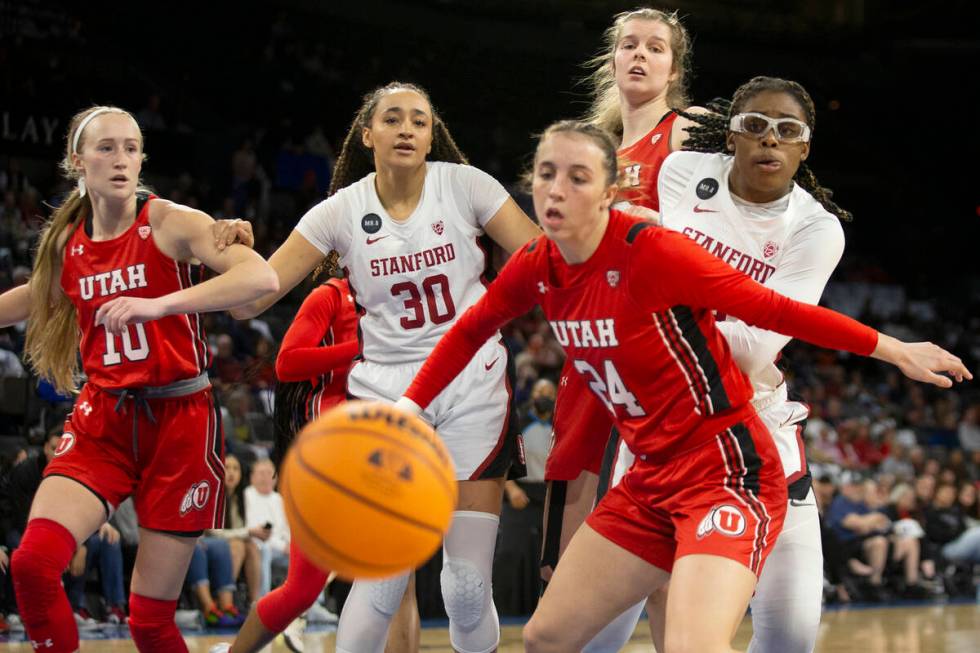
x: 15, y: 305
x: 292, y: 262
x: 186, y: 234
x: 699, y: 279
x: 509, y: 296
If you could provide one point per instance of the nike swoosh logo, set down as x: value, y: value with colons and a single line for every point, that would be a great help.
x: 698, y: 209
x: 491, y: 363
x: 794, y: 502
x: 371, y: 241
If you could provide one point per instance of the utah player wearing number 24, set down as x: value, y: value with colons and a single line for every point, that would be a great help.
x: 115, y: 268
x: 406, y: 230
x: 631, y: 304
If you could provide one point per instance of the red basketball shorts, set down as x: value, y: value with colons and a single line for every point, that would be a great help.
x: 173, y: 466
x: 725, y: 498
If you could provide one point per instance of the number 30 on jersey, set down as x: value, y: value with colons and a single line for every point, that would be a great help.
x: 611, y: 389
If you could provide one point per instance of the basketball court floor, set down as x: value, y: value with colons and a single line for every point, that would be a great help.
x: 903, y: 629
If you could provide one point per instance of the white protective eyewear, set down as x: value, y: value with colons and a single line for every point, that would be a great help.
x: 787, y: 130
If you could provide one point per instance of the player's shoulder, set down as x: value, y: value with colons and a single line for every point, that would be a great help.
x: 684, y: 164
x: 175, y: 218
x: 811, y: 216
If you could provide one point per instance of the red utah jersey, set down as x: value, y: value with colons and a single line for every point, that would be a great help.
x: 641, y: 164
x: 636, y: 322
x: 320, y: 345
x: 154, y: 353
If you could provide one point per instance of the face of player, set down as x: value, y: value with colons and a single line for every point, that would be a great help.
x: 643, y: 60
x: 764, y: 167
x: 401, y: 130
x: 111, y: 156
x: 572, y: 193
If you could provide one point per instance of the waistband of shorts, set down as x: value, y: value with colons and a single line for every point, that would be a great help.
x: 180, y: 388
x: 777, y: 396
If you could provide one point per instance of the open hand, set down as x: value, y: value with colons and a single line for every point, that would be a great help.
x: 922, y: 361
x: 229, y: 232
x: 117, y: 313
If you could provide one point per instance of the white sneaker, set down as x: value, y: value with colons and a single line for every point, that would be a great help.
x: 317, y: 614
x: 189, y: 619
x: 16, y: 625
x: 220, y: 648
x: 293, y: 636
x: 85, y: 623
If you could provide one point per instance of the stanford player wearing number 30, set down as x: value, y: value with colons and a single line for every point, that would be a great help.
x: 115, y: 275
x: 406, y: 230
x: 632, y: 304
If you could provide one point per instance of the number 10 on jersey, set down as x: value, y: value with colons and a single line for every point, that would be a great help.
x: 132, y: 353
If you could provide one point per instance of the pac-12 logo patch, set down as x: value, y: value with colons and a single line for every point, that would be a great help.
x: 371, y: 223
x: 726, y: 519
x: 612, y: 278
x: 438, y: 227
x: 706, y: 188
x: 144, y: 231
x: 196, y: 498
x: 770, y: 249
x: 65, y: 444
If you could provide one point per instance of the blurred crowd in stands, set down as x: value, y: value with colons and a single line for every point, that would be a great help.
x: 895, y: 465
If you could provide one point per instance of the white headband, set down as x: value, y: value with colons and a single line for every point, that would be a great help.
x: 78, y: 135
x: 82, y: 125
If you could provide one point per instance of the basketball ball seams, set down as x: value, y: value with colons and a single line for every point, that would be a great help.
x: 360, y: 497
x: 449, y: 484
x: 313, y: 534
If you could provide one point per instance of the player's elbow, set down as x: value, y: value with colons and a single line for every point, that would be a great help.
x: 268, y: 281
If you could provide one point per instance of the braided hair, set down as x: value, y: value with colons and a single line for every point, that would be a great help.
x: 355, y: 161
x: 710, y: 131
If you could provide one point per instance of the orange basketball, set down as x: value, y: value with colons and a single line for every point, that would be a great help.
x: 369, y: 490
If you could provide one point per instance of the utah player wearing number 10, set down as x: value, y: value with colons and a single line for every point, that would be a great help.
x: 406, y: 230
x: 631, y: 303
x: 115, y: 268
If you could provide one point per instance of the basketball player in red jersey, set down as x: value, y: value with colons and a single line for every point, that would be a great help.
x: 639, y: 82
x: 312, y: 366
x: 405, y: 213
x: 115, y: 275
x: 632, y: 304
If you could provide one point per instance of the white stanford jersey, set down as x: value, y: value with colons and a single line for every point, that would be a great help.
x: 791, y: 245
x: 411, y: 278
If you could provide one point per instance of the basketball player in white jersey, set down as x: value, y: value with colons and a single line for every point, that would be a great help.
x: 407, y: 233
x: 745, y: 195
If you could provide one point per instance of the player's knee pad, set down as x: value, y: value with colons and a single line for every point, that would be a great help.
x: 467, y: 590
x: 386, y: 595
x: 151, y: 624
x: 36, y: 566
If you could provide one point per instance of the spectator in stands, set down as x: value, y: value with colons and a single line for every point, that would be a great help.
x: 102, y: 552
x: 226, y: 368
x: 264, y: 509
x: 521, y: 519
x: 966, y: 499
x: 238, y: 423
x: 946, y: 526
x: 860, y: 531
x: 969, y: 429
x: 149, y: 117
x: 897, y: 463
x: 904, y: 537
x: 211, y: 561
x: 834, y: 560
x: 24, y: 479
x: 925, y: 487
x: 10, y: 365
x: 242, y: 548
